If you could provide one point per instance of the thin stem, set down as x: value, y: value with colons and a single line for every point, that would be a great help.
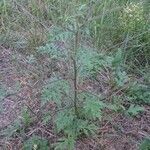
x: 75, y: 87
x: 75, y: 67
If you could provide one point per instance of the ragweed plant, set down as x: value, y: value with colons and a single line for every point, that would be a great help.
x: 78, y: 109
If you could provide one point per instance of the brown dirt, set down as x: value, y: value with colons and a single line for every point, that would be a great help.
x: 116, y: 132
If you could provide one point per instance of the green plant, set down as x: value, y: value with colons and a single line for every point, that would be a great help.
x: 77, y: 108
x: 26, y: 117
x: 36, y: 143
x: 145, y: 145
x: 12, y: 129
x: 133, y: 110
x: 2, y: 93
x: 139, y: 93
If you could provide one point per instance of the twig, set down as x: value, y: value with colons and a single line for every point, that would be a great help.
x: 16, y: 94
x: 42, y: 130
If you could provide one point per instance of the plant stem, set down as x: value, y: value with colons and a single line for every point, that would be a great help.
x: 75, y: 87
x: 75, y: 68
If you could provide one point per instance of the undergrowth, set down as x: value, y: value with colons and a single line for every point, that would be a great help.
x: 105, y: 42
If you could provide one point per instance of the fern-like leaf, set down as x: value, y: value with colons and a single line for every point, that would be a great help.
x: 54, y: 91
x: 36, y: 142
x: 92, y: 106
x: 66, y: 143
x: 134, y: 110
x: 64, y: 121
x: 145, y: 145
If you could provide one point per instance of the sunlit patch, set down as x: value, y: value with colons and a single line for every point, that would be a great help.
x: 134, y: 10
x: 132, y: 15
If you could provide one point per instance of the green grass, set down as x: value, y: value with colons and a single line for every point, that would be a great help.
x: 114, y: 23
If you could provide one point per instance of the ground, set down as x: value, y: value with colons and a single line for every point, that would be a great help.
x: 23, y: 82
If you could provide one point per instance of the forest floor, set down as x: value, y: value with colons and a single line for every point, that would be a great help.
x: 116, y: 131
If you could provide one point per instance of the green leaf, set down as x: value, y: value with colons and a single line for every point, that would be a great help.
x: 55, y: 91
x: 12, y: 129
x: 92, y: 106
x: 85, y: 127
x: 56, y: 47
x: 64, y: 122
x: 59, y: 34
x: 46, y: 118
x: 139, y: 93
x: 37, y: 143
x: 31, y: 59
x: 2, y: 93
x: 66, y: 144
x: 145, y: 145
x: 88, y: 60
x: 134, y: 110
x: 112, y: 107
x: 117, y: 58
x: 92, y: 109
x: 26, y: 117
x: 54, y: 51
x: 121, y: 77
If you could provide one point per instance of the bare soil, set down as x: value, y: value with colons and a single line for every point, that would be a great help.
x: 23, y: 83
